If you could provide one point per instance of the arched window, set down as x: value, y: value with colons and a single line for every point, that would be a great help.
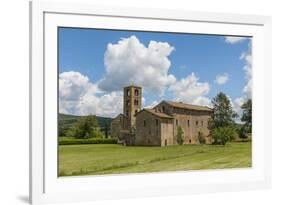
x: 136, y: 92
x: 136, y: 102
x: 128, y: 92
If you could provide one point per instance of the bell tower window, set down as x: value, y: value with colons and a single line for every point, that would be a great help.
x: 136, y: 102
x: 136, y: 92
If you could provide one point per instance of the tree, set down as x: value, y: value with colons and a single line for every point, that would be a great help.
x: 87, y: 127
x: 222, y: 135
x: 223, y: 115
x: 62, y: 129
x: 201, y: 138
x: 222, y: 123
x: 106, y: 128
x: 180, y: 136
x: 247, y: 116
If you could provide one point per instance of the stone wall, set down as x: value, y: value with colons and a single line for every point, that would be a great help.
x: 148, y: 130
x: 191, y: 122
x: 167, y: 132
x: 165, y: 108
x: 117, y: 125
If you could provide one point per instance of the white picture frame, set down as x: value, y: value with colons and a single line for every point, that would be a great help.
x: 46, y: 187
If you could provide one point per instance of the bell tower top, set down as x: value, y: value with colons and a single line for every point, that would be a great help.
x: 132, y: 102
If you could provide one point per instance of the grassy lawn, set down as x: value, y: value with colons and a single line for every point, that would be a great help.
x: 96, y: 159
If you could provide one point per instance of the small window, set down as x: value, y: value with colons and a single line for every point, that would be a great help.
x: 177, y: 122
x: 128, y: 102
x: 188, y: 123
x: 136, y: 92
x: 196, y: 123
x: 163, y: 108
x: 144, y: 123
x: 156, y: 122
x: 136, y: 102
x: 202, y: 123
x: 165, y: 142
x: 128, y: 92
x: 120, y: 119
x: 190, y: 141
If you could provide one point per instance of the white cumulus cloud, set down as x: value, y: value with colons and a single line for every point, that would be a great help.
x: 78, y: 96
x: 247, y: 57
x: 131, y: 62
x: 234, y: 39
x: 221, y: 79
x: 190, y: 90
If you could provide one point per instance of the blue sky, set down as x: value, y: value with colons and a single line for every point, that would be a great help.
x: 200, y: 65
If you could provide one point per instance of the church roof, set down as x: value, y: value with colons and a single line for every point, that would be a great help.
x: 120, y: 115
x: 158, y: 114
x: 188, y: 106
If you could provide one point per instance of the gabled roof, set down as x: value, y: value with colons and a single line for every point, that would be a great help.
x: 119, y: 115
x: 158, y: 114
x: 188, y: 106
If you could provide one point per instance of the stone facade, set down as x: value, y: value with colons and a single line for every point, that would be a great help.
x: 119, y: 126
x: 192, y: 119
x: 132, y: 103
x: 159, y: 126
x: 153, y: 129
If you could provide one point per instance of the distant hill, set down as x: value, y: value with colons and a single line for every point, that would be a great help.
x: 69, y: 120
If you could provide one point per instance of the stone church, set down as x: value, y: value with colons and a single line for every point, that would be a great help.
x: 159, y: 126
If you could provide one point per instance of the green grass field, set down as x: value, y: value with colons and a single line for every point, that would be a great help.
x: 97, y: 159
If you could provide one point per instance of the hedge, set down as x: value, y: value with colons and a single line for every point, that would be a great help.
x: 73, y: 141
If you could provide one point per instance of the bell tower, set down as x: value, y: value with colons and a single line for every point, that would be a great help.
x: 132, y: 103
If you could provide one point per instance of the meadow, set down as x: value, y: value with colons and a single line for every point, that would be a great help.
x: 99, y: 159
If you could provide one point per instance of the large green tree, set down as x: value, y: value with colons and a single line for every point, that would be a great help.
x: 224, y: 114
x: 246, y: 118
x: 247, y: 113
x: 87, y: 127
x: 222, y: 122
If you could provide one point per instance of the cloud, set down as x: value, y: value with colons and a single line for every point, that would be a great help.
x: 131, y: 62
x: 247, y: 57
x: 78, y: 96
x: 221, y: 79
x: 234, y: 39
x: 190, y: 90
x: 152, y: 105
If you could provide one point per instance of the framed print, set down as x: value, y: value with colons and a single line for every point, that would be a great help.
x: 131, y: 103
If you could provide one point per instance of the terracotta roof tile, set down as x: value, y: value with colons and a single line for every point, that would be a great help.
x: 158, y: 114
x: 188, y: 106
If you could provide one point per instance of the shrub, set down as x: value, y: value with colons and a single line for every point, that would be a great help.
x: 222, y: 135
x: 73, y: 141
x: 201, y: 138
x: 180, y: 136
x: 244, y: 132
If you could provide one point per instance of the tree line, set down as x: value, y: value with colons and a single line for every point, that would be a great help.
x: 86, y: 127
